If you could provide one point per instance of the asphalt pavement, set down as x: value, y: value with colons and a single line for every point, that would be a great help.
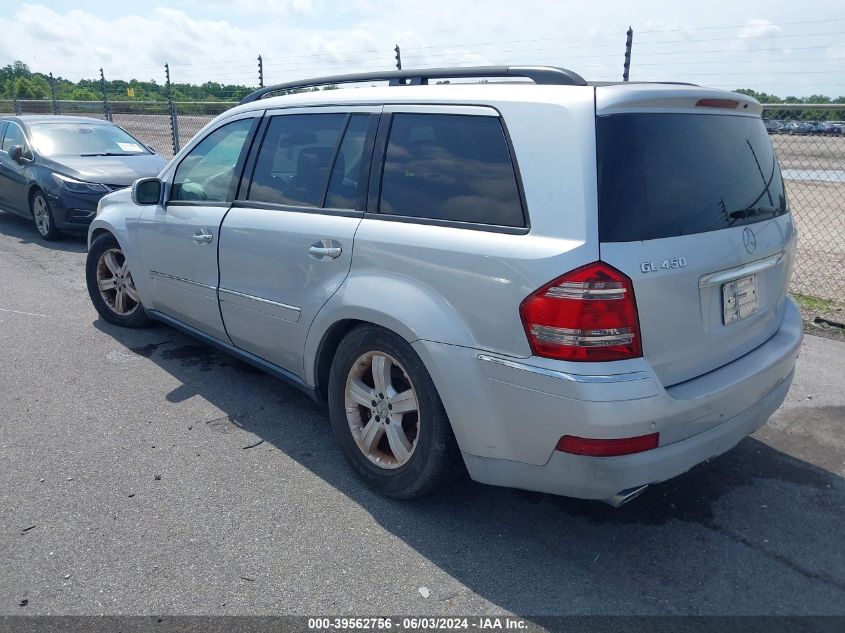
x: 143, y: 472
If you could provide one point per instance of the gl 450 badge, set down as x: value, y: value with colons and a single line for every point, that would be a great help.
x: 666, y: 264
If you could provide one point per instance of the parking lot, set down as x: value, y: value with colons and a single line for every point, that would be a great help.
x: 142, y: 472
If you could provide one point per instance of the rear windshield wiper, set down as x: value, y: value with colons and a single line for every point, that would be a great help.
x: 755, y: 211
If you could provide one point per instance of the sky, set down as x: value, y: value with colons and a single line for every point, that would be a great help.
x: 783, y: 48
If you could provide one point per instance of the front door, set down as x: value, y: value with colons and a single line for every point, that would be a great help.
x: 14, y: 193
x: 286, y: 244
x: 179, y: 238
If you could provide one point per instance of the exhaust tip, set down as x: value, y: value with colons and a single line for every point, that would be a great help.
x: 621, y: 498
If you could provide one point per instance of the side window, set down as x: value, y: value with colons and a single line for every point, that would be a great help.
x: 450, y: 167
x: 208, y: 171
x: 345, y: 183
x: 14, y: 136
x: 295, y: 159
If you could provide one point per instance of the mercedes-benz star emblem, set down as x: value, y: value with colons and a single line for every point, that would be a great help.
x: 749, y: 240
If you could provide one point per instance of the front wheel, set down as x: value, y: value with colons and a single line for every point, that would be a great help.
x: 42, y: 214
x: 111, y: 285
x: 387, y: 416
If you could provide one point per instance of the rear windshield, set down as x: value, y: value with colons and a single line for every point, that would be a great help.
x: 662, y: 175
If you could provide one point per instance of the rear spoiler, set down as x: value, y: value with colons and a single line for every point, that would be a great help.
x: 631, y: 98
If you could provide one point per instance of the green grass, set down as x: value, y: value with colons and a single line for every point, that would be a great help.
x: 831, y: 309
x: 815, y: 304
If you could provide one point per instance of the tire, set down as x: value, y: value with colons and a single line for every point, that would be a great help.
x: 434, y: 459
x: 42, y: 215
x: 110, y: 284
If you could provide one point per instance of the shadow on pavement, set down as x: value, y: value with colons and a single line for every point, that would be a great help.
x: 754, y: 530
x: 25, y: 232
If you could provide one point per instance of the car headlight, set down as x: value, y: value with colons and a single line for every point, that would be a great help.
x: 77, y: 186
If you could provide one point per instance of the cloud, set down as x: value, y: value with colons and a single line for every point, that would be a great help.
x: 754, y: 31
x: 218, y: 40
x: 77, y: 43
x: 265, y: 7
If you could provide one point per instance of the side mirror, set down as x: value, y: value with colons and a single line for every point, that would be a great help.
x: 16, y: 153
x: 146, y: 191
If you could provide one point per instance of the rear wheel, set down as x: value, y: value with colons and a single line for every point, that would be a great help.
x: 42, y: 214
x: 111, y: 286
x: 387, y: 416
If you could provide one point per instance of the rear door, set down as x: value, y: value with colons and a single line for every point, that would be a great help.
x: 286, y: 244
x: 692, y: 208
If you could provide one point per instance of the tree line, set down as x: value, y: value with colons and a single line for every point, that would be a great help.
x: 17, y: 80
x: 802, y: 115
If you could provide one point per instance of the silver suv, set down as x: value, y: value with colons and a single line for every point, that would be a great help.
x: 556, y: 285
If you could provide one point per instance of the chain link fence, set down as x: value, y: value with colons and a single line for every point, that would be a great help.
x: 811, y: 154
x: 810, y: 145
x: 148, y: 121
x: 164, y: 126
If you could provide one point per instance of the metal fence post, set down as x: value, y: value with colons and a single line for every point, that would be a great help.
x: 106, y: 105
x: 174, y: 119
x: 53, y: 92
x: 629, y: 43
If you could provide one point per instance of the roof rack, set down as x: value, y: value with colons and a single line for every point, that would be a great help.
x: 550, y: 75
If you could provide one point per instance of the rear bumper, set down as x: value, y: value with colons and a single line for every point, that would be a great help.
x: 604, y: 477
x: 508, y: 414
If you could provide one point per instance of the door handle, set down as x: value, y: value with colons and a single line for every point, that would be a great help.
x: 325, y: 249
x: 202, y: 237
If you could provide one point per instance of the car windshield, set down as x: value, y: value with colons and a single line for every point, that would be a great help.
x: 83, y: 139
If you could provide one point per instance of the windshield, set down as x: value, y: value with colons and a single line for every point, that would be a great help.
x: 663, y: 175
x: 83, y: 139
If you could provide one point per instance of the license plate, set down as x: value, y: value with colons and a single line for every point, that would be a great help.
x: 739, y: 298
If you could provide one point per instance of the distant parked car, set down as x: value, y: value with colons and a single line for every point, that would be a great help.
x: 797, y: 127
x: 828, y: 128
x: 772, y: 127
x: 818, y: 127
x: 55, y: 169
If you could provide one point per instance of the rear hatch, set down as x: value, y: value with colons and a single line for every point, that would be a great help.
x: 692, y: 208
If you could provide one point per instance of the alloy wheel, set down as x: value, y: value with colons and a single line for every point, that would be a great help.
x: 382, y: 410
x: 41, y: 215
x: 115, y: 283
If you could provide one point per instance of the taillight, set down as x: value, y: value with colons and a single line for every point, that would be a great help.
x: 588, y: 314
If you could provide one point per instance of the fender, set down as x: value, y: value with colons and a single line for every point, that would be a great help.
x: 395, y: 302
x: 119, y: 216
